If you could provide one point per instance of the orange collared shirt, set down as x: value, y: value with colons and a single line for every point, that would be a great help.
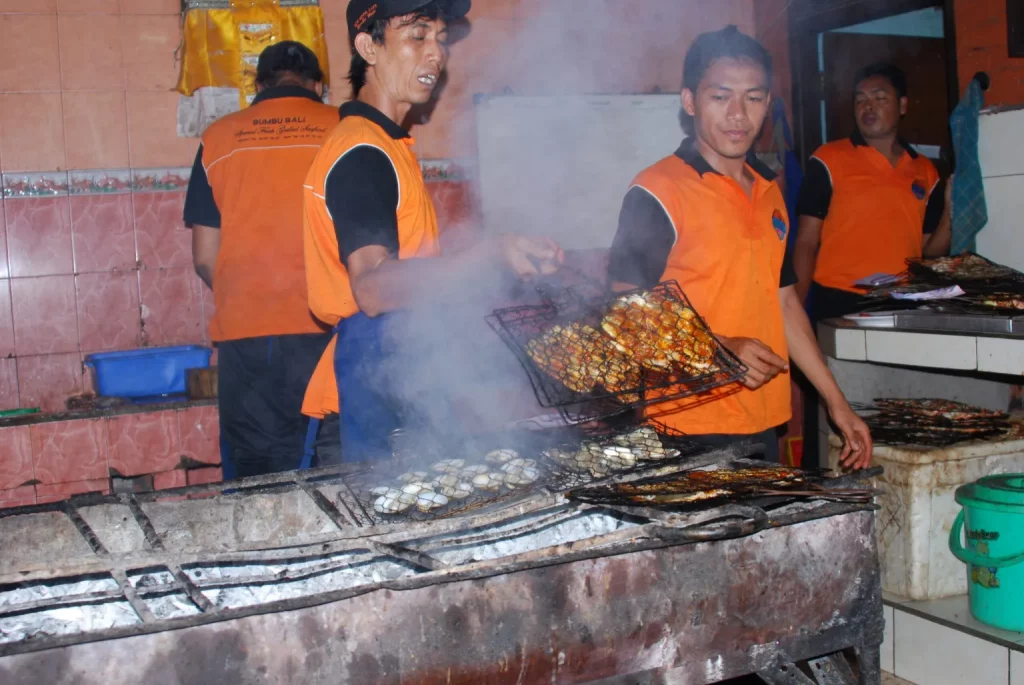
x: 873, y: 212
x: 683, y: 221
x: 247, y: 182
x: 330, y: 291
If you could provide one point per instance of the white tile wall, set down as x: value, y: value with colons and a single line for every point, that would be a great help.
x: 1001, y: 355
x: 929, y: 653
x: 1001, y: 153
x: 922, y: 349
x: 999, y: 148
x: 1016, y: 668
x: 1002, y: 239
x: 888, y: 664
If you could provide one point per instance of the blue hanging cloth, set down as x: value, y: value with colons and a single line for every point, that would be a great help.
x: 792, y: 174
x: 969, y: 213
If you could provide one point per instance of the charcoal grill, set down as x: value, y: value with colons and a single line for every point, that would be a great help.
x: 270, y: 580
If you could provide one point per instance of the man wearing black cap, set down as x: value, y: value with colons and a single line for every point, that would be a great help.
x: 370, y: 228
x: 244, y: 205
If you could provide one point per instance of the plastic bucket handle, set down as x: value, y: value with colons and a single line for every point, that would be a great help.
x: 973, y: 558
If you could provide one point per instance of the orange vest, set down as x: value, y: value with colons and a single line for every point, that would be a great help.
x: 876, y: 215
x: 255, y: 160
x: 330, y: 293
x: 727, y: 258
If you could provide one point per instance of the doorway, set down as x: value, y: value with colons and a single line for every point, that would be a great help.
x: 831, y: 45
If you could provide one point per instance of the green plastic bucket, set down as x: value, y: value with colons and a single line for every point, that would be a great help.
x: 993, y: 511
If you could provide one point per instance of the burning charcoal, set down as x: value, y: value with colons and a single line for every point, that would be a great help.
x: 413, y: 476
x: 457, y: 491
x: 428, y: 499
x: 393, y: 502
x: 489, y: 481
x: 449, y: 465
x: 501, y: 456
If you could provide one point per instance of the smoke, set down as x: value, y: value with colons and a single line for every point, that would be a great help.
x: 453, y: 374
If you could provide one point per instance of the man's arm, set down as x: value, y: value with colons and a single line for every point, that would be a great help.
x: 812, y: 208
x: 205, y: 246
x: 938, y: 234
x: 362, y: 194
x: 202, y: 215
x: 805, y: 353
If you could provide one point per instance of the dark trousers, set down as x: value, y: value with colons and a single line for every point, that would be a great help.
x: 768, y: 438
x: 261, y: 383
x: 825, y: 303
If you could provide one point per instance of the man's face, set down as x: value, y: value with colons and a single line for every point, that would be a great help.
x: 730, y: 106
x: 877, y: 107
x: 412, y: 58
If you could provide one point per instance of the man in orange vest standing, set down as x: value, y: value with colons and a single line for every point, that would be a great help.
x: 712, y: 217
x: 244, y: 205
x: 371, y: 232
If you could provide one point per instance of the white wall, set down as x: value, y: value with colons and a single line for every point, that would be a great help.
x: 1001, y: 152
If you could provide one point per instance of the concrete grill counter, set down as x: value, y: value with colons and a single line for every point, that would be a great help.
x: 283, y: 580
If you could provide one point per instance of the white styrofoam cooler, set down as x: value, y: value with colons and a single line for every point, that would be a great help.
x: 917, y: 510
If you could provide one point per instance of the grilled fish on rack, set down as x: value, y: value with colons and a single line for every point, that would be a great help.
x: 659, y: 333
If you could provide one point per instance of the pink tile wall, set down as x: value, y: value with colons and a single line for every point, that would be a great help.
x: 48, y: 462
x: 90, y: 273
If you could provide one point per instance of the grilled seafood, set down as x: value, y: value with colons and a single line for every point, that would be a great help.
x: 571, y: 354
x: 449, y: 465
x: 489, y: 481
x: 429, y: 499
x: 501, y: 456
x: 460, y: 490
x: 659, y: 333
x: 413, y: 476
x: 393, y: 501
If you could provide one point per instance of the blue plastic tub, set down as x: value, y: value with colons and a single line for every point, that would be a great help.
x: 146, y: 372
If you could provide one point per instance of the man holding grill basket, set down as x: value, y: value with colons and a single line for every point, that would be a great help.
x: 371, y: 235
x: 713, y: 218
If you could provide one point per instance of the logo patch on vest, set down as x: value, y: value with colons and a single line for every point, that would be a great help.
x: 779, y: 224
x: 917, y: 187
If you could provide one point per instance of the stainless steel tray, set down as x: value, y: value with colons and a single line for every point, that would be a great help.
x: 960, y: 323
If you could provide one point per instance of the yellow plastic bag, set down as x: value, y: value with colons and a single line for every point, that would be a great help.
x: 222, y: 44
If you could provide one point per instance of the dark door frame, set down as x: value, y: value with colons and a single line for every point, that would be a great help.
x: 808, y: 18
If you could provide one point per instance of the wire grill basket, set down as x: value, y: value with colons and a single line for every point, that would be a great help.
x: 592, y: 356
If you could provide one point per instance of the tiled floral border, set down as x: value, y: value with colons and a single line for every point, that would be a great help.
x: 111, y: 181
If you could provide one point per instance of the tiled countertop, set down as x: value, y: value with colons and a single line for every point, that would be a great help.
x: 120, y: 410
x: 1000, y: 354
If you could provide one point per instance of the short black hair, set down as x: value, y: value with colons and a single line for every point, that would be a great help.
x: 710, y: 47
x: 376, y: 28
x: 287, y: 58
x: 891, y: 72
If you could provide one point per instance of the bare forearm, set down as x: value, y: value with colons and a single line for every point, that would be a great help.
x: 937, y: 244
x: 397, y: 283
x: 804, y: 351
x: 205, y: 273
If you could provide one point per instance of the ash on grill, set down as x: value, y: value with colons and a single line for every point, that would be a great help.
x: 932, y: 422
x: 592, y: 356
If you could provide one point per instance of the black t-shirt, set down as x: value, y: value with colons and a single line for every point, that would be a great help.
x: 362, y: 190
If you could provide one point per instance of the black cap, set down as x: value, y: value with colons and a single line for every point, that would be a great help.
x: 362, y: 12
x: 291, y: 56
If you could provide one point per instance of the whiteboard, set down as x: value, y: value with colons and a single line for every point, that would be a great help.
x: 560, y: 165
